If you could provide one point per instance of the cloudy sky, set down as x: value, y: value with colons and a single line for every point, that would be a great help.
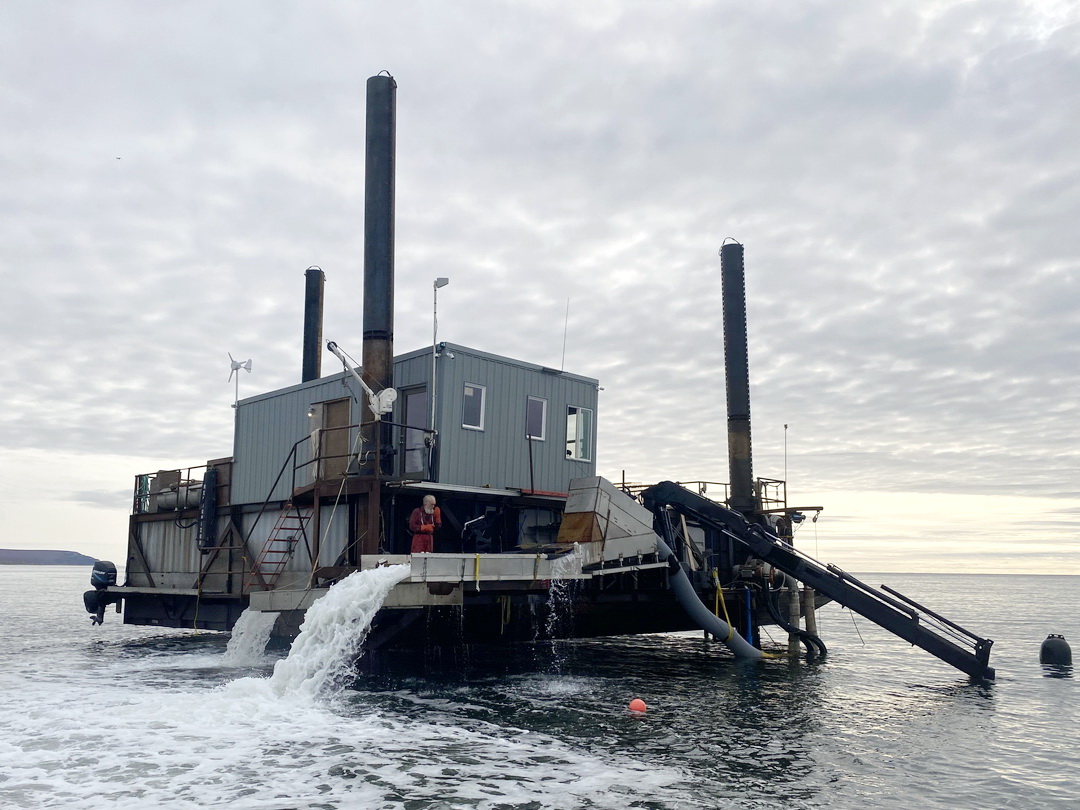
x: 904, y: 175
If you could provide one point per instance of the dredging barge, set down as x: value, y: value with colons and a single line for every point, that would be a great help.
x: 325, y: 475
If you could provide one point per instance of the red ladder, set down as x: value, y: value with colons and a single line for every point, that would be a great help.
x: 290, y: 529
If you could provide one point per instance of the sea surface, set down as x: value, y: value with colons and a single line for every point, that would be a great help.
x: 129, y: 717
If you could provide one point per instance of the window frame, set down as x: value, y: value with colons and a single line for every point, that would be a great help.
x: 413, y: 438
x: 572, y: 453
x: 483, y: 405
x: 529, y: 400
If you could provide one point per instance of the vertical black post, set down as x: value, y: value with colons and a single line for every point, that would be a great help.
x: 315, y: 281
x: 737, y: 375
x: 378, y: 357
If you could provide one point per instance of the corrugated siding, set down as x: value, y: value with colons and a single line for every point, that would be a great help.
x: 266, y: 429
x: 412, y: 369
x: 267, y: 426
x: 171, y: 553
x: 499, y: 454
x: 333, y: 533
x: 175, y: 559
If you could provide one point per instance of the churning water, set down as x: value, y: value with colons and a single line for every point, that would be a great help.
x: 129, y: 717
x: 248, y: 640
x: 334, y: 629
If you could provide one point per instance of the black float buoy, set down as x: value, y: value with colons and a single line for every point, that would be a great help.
x: 1055, y: 651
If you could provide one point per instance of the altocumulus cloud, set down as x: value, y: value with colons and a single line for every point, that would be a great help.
x: 903, y: 175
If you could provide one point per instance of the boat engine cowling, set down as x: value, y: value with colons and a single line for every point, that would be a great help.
x: 103, y: 575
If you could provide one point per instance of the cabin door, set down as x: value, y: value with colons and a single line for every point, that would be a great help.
x: 334, y: 439
x: 414, y: 449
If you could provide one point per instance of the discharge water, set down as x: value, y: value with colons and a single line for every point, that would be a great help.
x: 333, y: 632
x: 248, y: 640
x: 128, y: 717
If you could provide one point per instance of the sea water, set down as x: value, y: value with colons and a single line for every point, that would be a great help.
x: 135, y: 717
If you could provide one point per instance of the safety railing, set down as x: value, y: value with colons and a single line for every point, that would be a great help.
x: 170, y: 490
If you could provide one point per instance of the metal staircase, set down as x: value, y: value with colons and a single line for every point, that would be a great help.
x: 893, y: 611
x: 290, y: 529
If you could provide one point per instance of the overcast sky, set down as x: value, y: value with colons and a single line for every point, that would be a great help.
x: 904, y: 176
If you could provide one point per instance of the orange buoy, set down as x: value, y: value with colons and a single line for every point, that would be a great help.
x: 637, y: 705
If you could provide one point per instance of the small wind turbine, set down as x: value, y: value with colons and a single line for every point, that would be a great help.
x: 236, y: 366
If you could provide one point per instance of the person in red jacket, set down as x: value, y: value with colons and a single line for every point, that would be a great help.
x: 423, y: 523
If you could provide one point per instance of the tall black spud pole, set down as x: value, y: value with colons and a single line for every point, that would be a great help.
x: 737, y: 376
x: 378, y: 356
x: 314, y: 286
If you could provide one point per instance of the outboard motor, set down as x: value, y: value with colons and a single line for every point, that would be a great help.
x: 95, y: 601
x: 95, y: 605
x: 103, y: 575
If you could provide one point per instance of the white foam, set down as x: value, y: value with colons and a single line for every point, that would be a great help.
x: 243, y: 745
x: 91, y: 729
x: 247, y: 644
x: 334, y: 629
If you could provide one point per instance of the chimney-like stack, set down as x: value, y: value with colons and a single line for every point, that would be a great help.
x: 378, y: 357
x: 737, y: 375
x: 314, y: 282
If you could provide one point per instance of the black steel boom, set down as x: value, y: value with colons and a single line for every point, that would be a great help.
x: 900, y: 615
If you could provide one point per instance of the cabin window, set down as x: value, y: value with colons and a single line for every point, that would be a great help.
x: 472, y: 407
x: 413, y: 434
x: 579, y: 429
x: 536, y: 418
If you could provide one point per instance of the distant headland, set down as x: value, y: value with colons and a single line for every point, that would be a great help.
x: 34, y: 556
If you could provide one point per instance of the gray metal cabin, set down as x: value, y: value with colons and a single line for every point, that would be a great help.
x: 498, y: 423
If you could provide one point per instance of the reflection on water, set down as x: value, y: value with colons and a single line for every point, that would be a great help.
x: 739, y: 725
x: 772, y: 729
x: 1057, y: 670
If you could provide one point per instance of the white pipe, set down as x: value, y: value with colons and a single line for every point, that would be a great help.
x: 810, y: 611
x: 794, y: 642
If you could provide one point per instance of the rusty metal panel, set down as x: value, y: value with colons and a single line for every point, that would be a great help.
x: 171, y: 552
